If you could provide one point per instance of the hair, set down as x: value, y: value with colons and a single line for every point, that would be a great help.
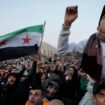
x: 102, y: 14
x: 12, y: 74
x: 56, y: 102
x: 98, y: 87
x: 37, y: 87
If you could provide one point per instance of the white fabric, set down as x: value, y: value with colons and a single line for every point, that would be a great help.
x: 103, y: 53
x: 34, y: 38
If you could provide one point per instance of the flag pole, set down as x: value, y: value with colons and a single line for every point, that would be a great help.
x: 38, y: 57
x: 39, y: 50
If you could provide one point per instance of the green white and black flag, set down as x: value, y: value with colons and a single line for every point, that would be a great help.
x: 21, y: 42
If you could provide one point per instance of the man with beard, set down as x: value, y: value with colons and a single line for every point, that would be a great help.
x: 8, y: 93
x: 52, y: 90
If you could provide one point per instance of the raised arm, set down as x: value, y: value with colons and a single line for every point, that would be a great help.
x: 71, y: 15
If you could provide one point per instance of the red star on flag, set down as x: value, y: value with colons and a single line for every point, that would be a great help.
x: 3, y: 43
x: 26, y: 39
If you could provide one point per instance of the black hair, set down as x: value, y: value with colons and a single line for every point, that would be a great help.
x: 37, y: 87
x: 98, y: 87
x: 102, y: 14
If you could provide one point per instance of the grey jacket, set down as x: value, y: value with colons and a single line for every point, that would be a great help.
x: 63, y: 45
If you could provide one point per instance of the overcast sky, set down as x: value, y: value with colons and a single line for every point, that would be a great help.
x: 17, y: 14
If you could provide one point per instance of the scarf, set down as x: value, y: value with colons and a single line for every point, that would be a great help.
x: 92, y: 57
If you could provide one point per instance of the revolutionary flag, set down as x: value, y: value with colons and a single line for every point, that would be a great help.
x: 21, y: 43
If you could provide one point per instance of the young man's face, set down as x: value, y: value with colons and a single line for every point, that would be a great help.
x: 9, y: 67
x: 35, y: 97
x: 51, y: 91
x: 14, y: 70
x: 102, y: 25
x: 99, y: 98
x: 11, y: 80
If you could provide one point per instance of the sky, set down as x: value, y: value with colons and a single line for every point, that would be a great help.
x: 17, y: 14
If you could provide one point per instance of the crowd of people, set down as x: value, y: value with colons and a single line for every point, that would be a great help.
x: 31, y: 81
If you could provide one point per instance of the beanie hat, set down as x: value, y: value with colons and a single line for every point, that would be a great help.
x: 54, y: 84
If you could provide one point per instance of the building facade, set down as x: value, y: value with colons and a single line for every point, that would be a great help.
x: 48, y: 50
